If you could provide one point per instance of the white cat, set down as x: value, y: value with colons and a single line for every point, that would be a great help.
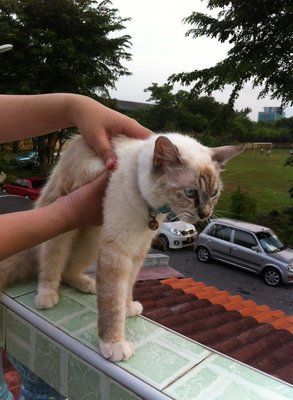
x: 165, y: 172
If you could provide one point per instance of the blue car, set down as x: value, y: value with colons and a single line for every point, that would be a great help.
x: 30, y: 159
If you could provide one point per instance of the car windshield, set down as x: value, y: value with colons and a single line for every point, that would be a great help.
x: 269, y: 242
x: 27, y: 155
x: 171, y: 217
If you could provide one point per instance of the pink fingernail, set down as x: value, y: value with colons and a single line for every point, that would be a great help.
x: 111, y: 163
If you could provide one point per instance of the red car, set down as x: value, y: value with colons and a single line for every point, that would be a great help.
x: 27, y: 187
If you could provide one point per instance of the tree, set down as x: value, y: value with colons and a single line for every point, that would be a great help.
x: 61, y: 46
x: 243, y: 206
x: 261, y: 35
x: 289, y: 163
x: 203, y: 116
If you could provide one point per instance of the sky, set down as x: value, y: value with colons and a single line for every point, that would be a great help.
x: 160, y: 48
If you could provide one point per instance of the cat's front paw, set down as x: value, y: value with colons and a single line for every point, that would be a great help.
x: 119, y: 351
x: 133, y: 308
x: 46, y: 298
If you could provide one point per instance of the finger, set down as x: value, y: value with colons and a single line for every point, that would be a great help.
x: 100, y: 183
x: 133, y: 129
x: 99, y: 186
x: 103, y: 147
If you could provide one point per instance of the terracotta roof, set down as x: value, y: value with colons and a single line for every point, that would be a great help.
x: 247, y: 332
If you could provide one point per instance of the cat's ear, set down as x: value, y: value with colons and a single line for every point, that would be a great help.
x: 223, y: 154
x: 165, y: 153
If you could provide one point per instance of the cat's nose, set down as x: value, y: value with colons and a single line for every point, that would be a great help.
x: 203, y: 213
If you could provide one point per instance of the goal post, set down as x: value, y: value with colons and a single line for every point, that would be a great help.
x: 262, y: 146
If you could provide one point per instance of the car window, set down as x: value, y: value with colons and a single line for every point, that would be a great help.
x: 219, y: 231
x: 22, y: 183
x: 171, y: 217
x: 18, y: 182
x: 244, y: 239
x: 25, y: 183
x: 38, y: 183
x: 269, y: 242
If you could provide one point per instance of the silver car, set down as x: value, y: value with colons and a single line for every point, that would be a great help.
x: 252, y: 247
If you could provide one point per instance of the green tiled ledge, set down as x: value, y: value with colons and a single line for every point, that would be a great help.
x: 220, y: 378
x: 59, y: 367
x: 170, y: 365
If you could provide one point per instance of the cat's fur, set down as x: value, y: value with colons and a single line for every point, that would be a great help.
x: 167, y: 170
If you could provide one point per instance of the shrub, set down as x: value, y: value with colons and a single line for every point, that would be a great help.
x: 243, y: 206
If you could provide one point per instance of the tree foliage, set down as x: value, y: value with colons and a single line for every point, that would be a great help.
x: 203, y: 116
x: 243, y: 206
x: 289, y: 163
x: 261, y: 35
x: 61, y: 46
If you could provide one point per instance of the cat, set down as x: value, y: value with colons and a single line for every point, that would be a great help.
x: 165, y: 172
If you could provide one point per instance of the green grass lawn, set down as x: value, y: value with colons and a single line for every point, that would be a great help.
x: 262, y: 176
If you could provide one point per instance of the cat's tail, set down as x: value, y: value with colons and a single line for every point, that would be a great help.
x: 18, y: 268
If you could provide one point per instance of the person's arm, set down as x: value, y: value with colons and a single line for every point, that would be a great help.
x: 81, y: 208
x: 29, y: 116
x: 34, y: 115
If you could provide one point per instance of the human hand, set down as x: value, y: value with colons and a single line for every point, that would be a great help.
x: 98, y: 124
x: 45, y: 113
x: 83, y: 207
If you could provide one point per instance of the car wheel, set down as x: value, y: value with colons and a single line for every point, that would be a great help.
x: 272, y: 276
x: 164, y: 242
x: 203, y: 254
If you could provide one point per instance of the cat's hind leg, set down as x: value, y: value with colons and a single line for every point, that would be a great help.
x: 53, y: 256
x: 84, y: 253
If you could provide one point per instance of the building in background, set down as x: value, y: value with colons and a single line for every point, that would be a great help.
x: 125, y: 105
x: 271, y: 114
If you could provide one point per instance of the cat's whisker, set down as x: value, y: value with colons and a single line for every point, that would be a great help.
x: 182, y: 214
x: 222, y: 212
x: 214, y: 216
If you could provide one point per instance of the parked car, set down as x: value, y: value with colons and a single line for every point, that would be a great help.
x: 27, y: 187
x: 30, y: 159
x: 175, y: 234
x: 252, y: 247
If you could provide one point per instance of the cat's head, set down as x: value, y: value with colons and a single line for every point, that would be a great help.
x: 186, y: 175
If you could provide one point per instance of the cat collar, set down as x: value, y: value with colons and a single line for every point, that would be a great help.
x: 153, y: 223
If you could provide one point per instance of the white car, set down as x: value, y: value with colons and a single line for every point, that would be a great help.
x: 176, y: 234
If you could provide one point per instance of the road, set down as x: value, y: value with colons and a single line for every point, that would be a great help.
x: 11, y: 203
x: 232, y: 279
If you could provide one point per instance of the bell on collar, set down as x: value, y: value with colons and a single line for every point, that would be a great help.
x: 153, y: 223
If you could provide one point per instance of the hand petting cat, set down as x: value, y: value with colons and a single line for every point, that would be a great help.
x: 98, y: 124
x: 36, y: 115
x: 25, y: 116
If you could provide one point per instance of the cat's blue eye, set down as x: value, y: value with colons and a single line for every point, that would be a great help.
x: 190, y: 192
